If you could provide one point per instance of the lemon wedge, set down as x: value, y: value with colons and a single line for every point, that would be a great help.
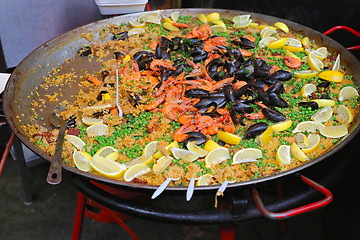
x: 168, y: 20
x: 314, y: 62
x: 139, y: 160
x: 247, y: 155
x: 220, y: 23
x: 159, y: 154
x: 185, y: 155
x: 334, y: 131
x: 217, y: 156
x: 321, y: 53
x: 217, y: 28
x: 331, y: 75
x: 105, y: 151
x: 267, y: 32
x: 283, y: 156
x: 282, y: 126
x: 97, y: 130
x: 143, y: 17
x: 153, y: 19
x: 150, y: 150
x: 81, y: 160
x: 204, y: 180
x: 301, y: 140
x: 136, y: 31
x: 290, y: 54
x: 265, y: 138
x: 324, y: 102
x: 282, y: 26
x: 345, y: 114
x: 202, y: 18
x: 107, y: 167
x: 277, y: 44
x: 261, y: 27
x: 136, y: 24
x: 314, y: 142
x: 323, y: 115
x: 265, y: 41
x: 305, y: 42
x: 309, y: 126
x: 175, y: 16
x: 228, y: 137
x: 241, y: 18
x: 239, y: 25
x: 92, y: 121
x: 136, y: 171
x: 298, y: 153
x: 162, y: 164
x: 170, y: 27
x: 347, y: 93
x: 336, y: 65
x: 76, y: 141
x: 213, y: 17
x: 305, y: 73
x: 211, y: 145
x: 307, y: 89
x: 192, y: 147
x: 293, y: 45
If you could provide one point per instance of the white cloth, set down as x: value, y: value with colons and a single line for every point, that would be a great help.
x: 3, y: 80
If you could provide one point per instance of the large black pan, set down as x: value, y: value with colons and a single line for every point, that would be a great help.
x: 29, y: 75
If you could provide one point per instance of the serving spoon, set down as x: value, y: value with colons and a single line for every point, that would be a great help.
x: 55, y: 171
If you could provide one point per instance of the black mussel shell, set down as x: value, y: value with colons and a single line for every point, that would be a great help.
x: 277, y: 88
x: 255, y: 83
x: 120, y: 36
x: 229, y: 93
x: 118, y: 55
x: 277, y: 101
x: 311, y: 104
x: 134, y: 98
x: 262, y: 96
x: 200, y: 57
x: 84, y: 51
x: 280, y: 75
x: 197, y: 141
x: 104, y: 74
x: 255, y: 130
x: 246, y: 43
x: 273, y: 115
x: 241, y: 91
x: 242, y: 107
x: 71, y: 122
x: 324, y: 84
x: 196, y: 92
x: 99, y: 96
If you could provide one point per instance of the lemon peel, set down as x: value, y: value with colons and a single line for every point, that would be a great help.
x: 298, y: 153
x: 247, y: 155
x: 217, y: 156
x: 228, y: 137
x: 136, y: 171
x: 283, y: 156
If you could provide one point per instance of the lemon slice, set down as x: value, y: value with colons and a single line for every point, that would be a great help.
x: 217, y: 156
x: 314, y: 142
x: 228, y: 137
x: 144, y: 16
x: 265, y: 41
x: 170, y: 27
x: 282, y: 26
x: 167, y: 20
x: 261, y: 27
x: 247, y: 155
x: 347, y: 93
x: 265, y: 138
x: 309, y: 126
x: 241, y: 18
x: 213, y: 17
x: 211, y: 145
x: 306, y: 73
x: 76, y: 141
x: 240, y: 25
x: 153, y: 19
x: 321, y: 53
x: 107, y: 167
x: 162, y: 164
x: 202, y: 18
x: 149, y: 150
x: 192, y: 147
x: 136, y: 31
x: 217, y: 28
x: 105, y: 151
x: 331, y: 75
x: 97, y: 130
x: 282, y: 126
x: 305, y: 42
x: 298, y: 153
x: 159, y: 154
x: 301, y: 140
x: 334, y: 131
x: 314, y: 63
x: 277, y: 44
x: 204, y: 180
x: 323, y: 115
x: 336, y: 65
x: 344, y: 113
x: 92, y: 121
x: 219, y: 23
x: 113, y: 156
x: 175, y: 16
x: 307, y: 89
x: 139, y: 160
x: 136, y: 24
x: 81, y: 160
x: 136, y: 171
x: 290, y: 54
x: 283, y: 156
x: 324, y: 102
x: 293, y: 42
x: 183, y: 154
x: 267, y: 32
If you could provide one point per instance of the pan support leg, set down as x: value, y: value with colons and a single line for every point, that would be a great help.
x: 79, y: 216
x: 19, y: 157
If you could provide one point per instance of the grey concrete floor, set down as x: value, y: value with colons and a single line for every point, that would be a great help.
x: 51, y: 215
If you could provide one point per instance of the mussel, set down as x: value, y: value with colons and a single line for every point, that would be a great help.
x: 196, y: 137
x: 143, y: 59
x: 196, y: 92
x: 120, y: 36
x: 313, y: 105
x: 118, y: 55
x: 229, y: 93
x: 277, y: 101
x: 280, y: 75
x: 277, y: 87
x: 241, y: 107
x: 255, y: 130
x: 273, y: 115
x: 84, y: 51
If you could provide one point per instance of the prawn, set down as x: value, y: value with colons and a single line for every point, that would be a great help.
x: 180, y: 134
x: 154, y: 104
x: 172, y: 110
x: 94, y: 80
x: 157, y: 63
x: 292, y: 62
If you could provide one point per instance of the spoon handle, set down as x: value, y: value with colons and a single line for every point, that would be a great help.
x: 55, y: 171
x: 190, y: 189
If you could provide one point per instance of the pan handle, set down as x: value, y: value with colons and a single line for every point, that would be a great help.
x: 296, y: 211
x: 356, y: 33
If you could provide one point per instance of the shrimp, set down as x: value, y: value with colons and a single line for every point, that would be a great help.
x: 253, y: 116
x: 223, y: 82
x: 200, y: 83
x: 180, y: 134
x: 157, y: 63
x: 94, y: 80
x: 174, y: 95
x: 292, y: 62
x: 226, y: 122
x: 154, y: 104
x: 153, y: 124
x: 172, y: 110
